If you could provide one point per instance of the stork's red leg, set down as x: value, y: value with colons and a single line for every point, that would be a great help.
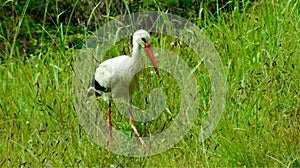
x: 132, y: 124
x: 109, y: 123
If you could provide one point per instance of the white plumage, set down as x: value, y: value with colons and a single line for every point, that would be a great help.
x: 117, y: 77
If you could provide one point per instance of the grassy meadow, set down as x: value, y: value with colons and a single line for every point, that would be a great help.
x: 258, y: 43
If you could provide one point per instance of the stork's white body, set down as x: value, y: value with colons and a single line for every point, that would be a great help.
x: 117, y: 74
x: 117, y: 77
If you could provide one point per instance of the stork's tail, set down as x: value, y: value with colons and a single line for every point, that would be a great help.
x: 91, y: 91
x: 96, y: 88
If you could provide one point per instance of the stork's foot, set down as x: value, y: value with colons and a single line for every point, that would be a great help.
x: 137, y: 133
x: 132, y: 124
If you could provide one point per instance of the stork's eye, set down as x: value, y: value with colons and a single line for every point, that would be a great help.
x: 143, y: 39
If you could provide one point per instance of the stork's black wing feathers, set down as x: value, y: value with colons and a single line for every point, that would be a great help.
x: 96, y: 87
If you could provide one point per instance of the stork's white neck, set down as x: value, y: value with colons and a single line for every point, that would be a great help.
x: 136, y: 53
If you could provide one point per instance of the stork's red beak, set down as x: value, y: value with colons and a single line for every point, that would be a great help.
x: 149, y: 53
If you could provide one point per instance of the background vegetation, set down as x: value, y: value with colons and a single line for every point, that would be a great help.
x: 259, y: 46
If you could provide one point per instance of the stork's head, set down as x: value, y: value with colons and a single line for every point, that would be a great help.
x: 141, y: 39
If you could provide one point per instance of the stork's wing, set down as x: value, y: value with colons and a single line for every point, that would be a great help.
x: 96, y: 88
x: 106, y: 73
x: 101, y: 81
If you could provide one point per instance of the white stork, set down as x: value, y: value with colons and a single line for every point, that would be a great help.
x: 117, y: 77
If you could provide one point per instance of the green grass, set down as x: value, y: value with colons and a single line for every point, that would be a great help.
x: 259, y: 48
